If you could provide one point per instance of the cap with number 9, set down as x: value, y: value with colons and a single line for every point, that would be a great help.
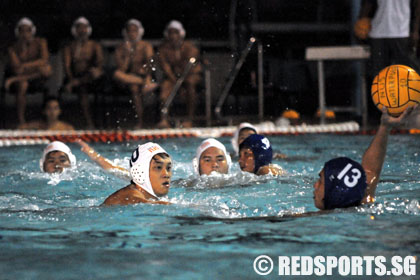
x: 345, y: 183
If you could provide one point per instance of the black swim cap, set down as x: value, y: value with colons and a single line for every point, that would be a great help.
x: 345, y: 183
x: 261, y: 148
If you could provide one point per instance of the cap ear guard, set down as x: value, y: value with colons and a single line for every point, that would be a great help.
x: 81, y: 20
x: 345, y: 183
x: 140, y: 164
x: 25, y: 21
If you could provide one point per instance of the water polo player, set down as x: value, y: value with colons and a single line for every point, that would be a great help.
x: 343, y: 182
x: 102, y: 161
x: 244, y: 130
x: 255, y: 156
x: 56, y: 157
x: 211, y: 156
x: 151, y: 172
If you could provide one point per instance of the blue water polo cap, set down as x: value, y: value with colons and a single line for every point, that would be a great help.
x: 261, y: 148
x: 345, y: 183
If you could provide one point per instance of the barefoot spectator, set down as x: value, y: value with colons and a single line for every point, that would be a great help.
x: 29, y: 66
x: 83, y: 62
x: 133, y: 58
x: 174, y: 54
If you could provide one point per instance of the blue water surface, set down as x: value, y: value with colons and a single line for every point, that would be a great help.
x: 51, y: 226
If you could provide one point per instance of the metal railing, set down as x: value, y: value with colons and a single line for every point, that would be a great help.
x: 176, y: 87
x: 234, y: 73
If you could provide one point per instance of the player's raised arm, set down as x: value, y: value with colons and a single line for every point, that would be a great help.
x: 100, y: 160
x: 374, y: 157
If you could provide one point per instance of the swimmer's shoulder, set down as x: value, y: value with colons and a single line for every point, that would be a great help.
x: 33, y: 125
x: 189, y: 45
x: 144, y: 44
x: 40, y: 41
x: 93, y: 43
x: 62, y: 126
x: 272, y: 169
x: 125, y: 196
x: 164, y: 46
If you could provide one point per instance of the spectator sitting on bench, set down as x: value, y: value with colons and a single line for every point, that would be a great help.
x: 83, y: 62
x: 28, y: 58
x: 134, y: 70
x: 174, y: 55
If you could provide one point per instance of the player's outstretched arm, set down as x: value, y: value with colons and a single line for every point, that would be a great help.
x: 374, y: 157
x: 100, y: 160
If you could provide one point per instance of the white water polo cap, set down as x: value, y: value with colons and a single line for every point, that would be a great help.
x: 140, y: 164
x: 235, y: 137
x: 206, y: 144
x: 81, y: 20
x: 136, y: 23
x: 174, y: 24
x: 25, y: 21
x: 60, y: 147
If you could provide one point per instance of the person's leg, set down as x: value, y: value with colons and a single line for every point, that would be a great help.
x: 84, y: 103
x: 379, y: 56
x: 165, y: 91
x: 127, y: 78
x: 403, y: 54
x: 191, y: 103
x: 22, y: 87
x: 191, y: 94
x: 137, y: 104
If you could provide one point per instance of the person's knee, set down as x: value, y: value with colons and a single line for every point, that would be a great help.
x: 134, y: 89
x: 165, y: 89
x: 190, y: 89
x: 83, y: 97
x: 117, y: 75
x: 46, y: 70
x: 22, y: 86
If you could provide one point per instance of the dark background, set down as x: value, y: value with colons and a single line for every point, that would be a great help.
x: 284, y: 27
x: 203, y: 20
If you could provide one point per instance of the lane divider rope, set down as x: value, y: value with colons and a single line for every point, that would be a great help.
x: 36, y: 137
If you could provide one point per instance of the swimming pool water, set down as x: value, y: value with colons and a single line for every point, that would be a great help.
x: 52, y: 228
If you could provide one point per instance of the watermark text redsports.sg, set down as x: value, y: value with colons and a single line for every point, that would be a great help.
x: 332, y: 265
